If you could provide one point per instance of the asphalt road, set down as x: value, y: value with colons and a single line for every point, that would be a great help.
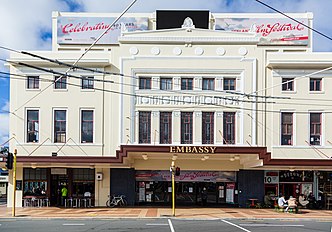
x: 162, y: 224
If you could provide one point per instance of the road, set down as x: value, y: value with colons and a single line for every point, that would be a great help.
x: 162, y: 225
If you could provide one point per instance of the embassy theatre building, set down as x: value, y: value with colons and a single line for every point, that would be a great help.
x: 237, y: 101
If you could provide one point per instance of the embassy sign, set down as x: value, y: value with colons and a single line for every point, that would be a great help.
x: 192, y: 149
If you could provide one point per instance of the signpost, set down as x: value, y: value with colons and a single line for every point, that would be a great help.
x: 173, y: 187
x: 14, y: 183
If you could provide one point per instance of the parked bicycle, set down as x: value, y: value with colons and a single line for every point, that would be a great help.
x: 116, y: 201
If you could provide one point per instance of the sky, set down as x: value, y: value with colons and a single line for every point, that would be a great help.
x: 26, y: 24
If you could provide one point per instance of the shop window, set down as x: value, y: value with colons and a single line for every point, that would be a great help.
x: 60, y: 126
x: 287, y: 84
x: 186, y: 127
x: 229, y: 128
x: 315, y: 128
x: 229, y: 83
x: 60, y: 82
x: 87, y: 82
x: 145, y: 83
x: 208, y: 84
x: 165, y: 128
x: 33, y: 82
x: 83, y: 181
x: 87, y: 126
x: 166, y: 83
x: 208, y: 128
x: 144, y: 127
x: 286, y: 128
x: 186, y: 83
x: 315, y: 84
x: 35, y: 181
x: 32, y: 126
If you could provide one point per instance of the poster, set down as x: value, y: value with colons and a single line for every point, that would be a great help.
x: 141, y: 194
x: 272, y: 31
x: 230, y: 192
x: 85, y: 30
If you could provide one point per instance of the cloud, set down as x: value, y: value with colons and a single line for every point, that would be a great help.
x: 4, y: 122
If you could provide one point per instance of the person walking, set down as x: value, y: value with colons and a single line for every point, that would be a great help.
x: 64, y: 193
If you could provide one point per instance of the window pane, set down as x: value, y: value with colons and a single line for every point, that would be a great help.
x: 145, y: 83
x: 186, y: 83
x: 208, y: 128
x: 186, y: 127
x: 165, y: 83
x: 165, y: 127
x: 144, y: 127
x: 229, y: 128
x: 87, y: 126
x: 32, y: 126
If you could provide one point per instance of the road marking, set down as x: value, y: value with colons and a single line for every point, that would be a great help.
x: 232, y: 224
x: 171, y: 225
x: 157, y: 224
x: 73, y: 224
x: 272, y: 225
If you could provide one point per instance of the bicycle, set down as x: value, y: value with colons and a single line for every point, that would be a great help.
x: 116, y: 201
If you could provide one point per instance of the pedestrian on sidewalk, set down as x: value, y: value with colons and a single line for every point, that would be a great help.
x: 204, y: 196
x: 64, y: 193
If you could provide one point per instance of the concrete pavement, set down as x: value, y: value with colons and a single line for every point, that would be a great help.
x: 153, y: 212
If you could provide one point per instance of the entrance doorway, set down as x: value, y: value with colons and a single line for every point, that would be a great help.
x: 290, y: 190
x: 58, y: 181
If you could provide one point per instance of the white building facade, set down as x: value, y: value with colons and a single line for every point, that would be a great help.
x: 239, y: 102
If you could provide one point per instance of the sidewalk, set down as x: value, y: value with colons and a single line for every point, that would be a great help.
x: 149, y: 212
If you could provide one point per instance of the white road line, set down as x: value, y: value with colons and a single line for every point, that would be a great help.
x: 232, y: 224
x: 74, y: 224
x: 157, y: 224
x: 271, y: 225
x: 171, y: 225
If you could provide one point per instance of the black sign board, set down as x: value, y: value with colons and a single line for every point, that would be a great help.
x: 18, y: 184
x: 167, y: 19
x: 296, y: 176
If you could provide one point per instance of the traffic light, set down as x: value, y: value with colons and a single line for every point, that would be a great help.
x: 9, y: 161
x: 177, y: 171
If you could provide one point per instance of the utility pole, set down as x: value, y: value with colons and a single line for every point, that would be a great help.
x: 173, y: 187
x: 14, y: 184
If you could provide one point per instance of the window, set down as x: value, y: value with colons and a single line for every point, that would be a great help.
x: 35, y: 181
x: 229, y: 83
x: 165, y: 128
x: 59, y: 126
x: 60, y: 83
x: 286, y: 128
x: 165, y: 83
x: 145, y: 83
x: 87, y: 83
x: 229, y: 128
x: 315, y: 128
x: 287, y: 84
x: 208, y: 128
x: 87, y: 126
x: 186, y: 83
x: 186, y: 127
x: 83, y: 181
x: 208, y: 84
x: 33, y: 126
x: 144, y: 127
x: 33, y: 82
x: 315, y: 84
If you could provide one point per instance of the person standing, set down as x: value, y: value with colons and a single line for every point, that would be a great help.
x: 204, y: 196
x: 64, y: 193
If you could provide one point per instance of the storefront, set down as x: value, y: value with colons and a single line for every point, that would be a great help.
x: 154, y: 187
x: 48, y: 182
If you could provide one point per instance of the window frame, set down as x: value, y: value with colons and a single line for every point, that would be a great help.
x: 207, y: 127
x: 165, y: 121
x: 287, y: 129
x: 210, y: 85
x: 313, y: 87
x: 144, y: 83
x: 187, y: 83
x: 166, y: 85
x: 60, y: 84
x: 186, y: 127
x: 289, y: 85
x: 54, y: 126
x: 87, y: 83
x: 35, y: 82
x: 315, y: 133
x: 35, y: 130
x: 87, y: 121
x: 228, y: 86
x: 144, y: 127
x: 229, y: 138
